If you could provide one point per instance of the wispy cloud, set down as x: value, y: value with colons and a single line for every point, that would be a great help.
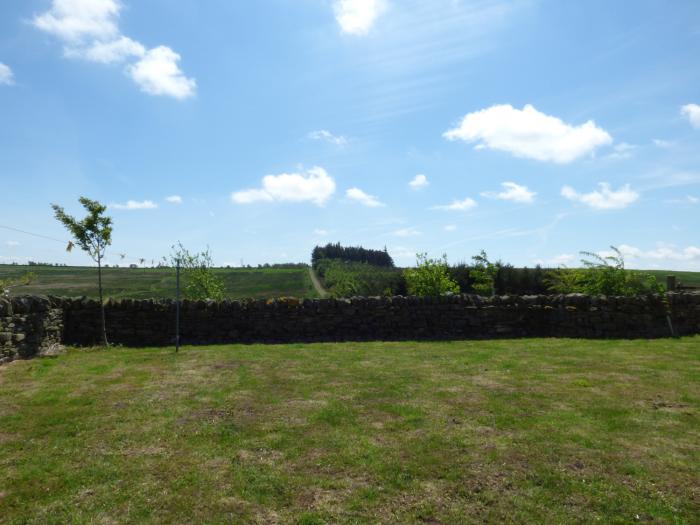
x: 418, y: 182
x: 174, y: 199
x: 315, y: 186
x: 663, y: 254
x: 406, y: 232
x: 357, y: 195
x: 529, y: 133
x: 623, y: 150
x: 12, y: 244
x: 692, y: 113
x: 688, y: 199
x: 668, y: 178
x: 323, y: 134
x: 564, y: 259
x: 512, y: 192
x: 659, y: 143
x: 7, y: 78
x: 604, y: 198
x: 457, y: 205
x: 135, y: 205
x: 408, y: 71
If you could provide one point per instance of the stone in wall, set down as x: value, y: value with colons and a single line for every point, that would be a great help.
x: 29, y: 325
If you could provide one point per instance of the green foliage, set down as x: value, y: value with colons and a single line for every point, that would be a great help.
x: 23, y: 280
x: 351, y: 254
x: 565, y: 280
x: 603, y: 275
x: 200, y: 280
x: 92, y: 234
x: 346, y: 279
x: 430, y: 277
x: 484, y: 274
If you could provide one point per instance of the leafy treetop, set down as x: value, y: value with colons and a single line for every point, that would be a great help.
x: 92, y: 234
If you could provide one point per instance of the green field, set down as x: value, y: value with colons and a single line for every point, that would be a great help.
x: 520, y: 431
x: 146, y: 283
x: 685, y: 278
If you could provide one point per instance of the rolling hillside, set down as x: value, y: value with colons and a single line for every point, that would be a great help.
x: 141, y: 283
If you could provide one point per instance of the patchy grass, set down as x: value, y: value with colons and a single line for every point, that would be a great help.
x: 522, y: 431
x: 147, y: 283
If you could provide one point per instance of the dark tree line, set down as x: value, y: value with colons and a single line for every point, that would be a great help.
x: 508, y: 280
x: 351, y: 254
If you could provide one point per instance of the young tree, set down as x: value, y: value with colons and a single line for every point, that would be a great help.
x: 603, y: 275
x: 92, y: 234
x: 200, y: 280
x: 484, y: 273
x: 430, y: 277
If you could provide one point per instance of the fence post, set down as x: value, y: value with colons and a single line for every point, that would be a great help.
x: 177, y: 307
x: 670, y: 283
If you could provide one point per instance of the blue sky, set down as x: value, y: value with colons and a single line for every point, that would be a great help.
x: 531, y: 129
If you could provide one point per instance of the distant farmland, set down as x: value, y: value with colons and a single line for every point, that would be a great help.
x: 144, y: 283
x: 684, y: 278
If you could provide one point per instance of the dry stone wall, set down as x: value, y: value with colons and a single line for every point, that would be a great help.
x: 28, y: 324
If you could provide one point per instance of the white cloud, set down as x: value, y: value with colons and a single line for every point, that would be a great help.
x: 313, y: 186
x: 6, y: 75
x: 604, y: 198
x: 174, y: 199
x: 135, y: 205
x: 662, y: 252
x: 406, y: 232
x: 450, y: 227
x: 12, y: 244
x: 418, y: 182
x: 659, y: 143
x: 401, y: 253
x: 157, y: 73
x: 109, y: 52
x: 323, y: 134
x: 90, y: 31
x: 692, y: 113
x: 565, y: 259
x: 77, y: 20
x: 356, y: 17
x: 529, y: 133
x: 320, y: 232
x: 463, y: 205
x: 511, y: 192
x: 356, y: 194
x: 692, y: 200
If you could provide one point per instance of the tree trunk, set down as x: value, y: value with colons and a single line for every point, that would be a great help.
x: 102, y: 304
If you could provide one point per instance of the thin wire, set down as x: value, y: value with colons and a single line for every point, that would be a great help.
x: 141, y: 260
x: 34, y: 234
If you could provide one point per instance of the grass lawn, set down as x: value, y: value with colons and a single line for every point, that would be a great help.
x: 524, y: 431
x: 147, y: 283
